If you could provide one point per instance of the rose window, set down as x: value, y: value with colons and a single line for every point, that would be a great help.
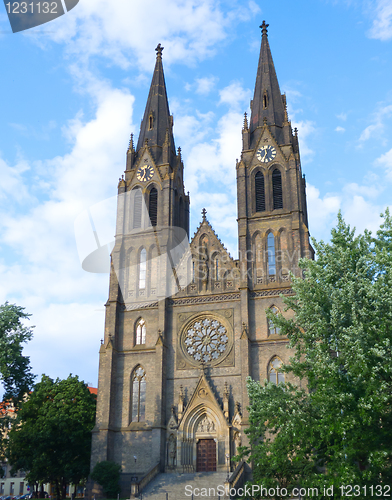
x: 206, y: 340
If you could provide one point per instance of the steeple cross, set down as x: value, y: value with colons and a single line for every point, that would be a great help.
x: 159, y: 50
x: 264, y: 27
x: 204, y: 213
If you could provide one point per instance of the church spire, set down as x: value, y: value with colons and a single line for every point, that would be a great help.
x: 157, y: 120
x: 267, y: 101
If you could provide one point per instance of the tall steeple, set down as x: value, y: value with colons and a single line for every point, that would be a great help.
x: 267, y: 102
x: 157, y: 123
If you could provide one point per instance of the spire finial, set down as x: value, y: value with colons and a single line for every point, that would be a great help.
x: 159, y: 51
x: 245, y: 121
x: 131, y: 145
x: 264, y: 29
x: 204, y: 213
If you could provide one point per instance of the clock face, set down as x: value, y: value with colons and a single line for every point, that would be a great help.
x: 266, y: 154
x: 145, y: 173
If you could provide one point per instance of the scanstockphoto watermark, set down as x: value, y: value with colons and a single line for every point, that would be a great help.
x: 259, y: 491
x: 25, y: 15
x: 255, y: 491
x: 153, y: 261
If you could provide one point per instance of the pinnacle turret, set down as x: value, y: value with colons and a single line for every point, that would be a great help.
x: 267, y: 105
x: 157, y: 123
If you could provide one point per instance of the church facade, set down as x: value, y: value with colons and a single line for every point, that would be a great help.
x: 177, y: 352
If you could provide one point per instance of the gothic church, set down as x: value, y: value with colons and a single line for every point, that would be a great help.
x: 173, y: 367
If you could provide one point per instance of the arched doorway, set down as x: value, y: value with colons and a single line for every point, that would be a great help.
x: 206, y: 455
x: 203, y: 434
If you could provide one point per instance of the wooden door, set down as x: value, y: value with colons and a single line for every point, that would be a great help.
x: 206, y: 455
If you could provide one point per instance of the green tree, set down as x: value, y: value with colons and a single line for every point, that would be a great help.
x: 107, y: 474
x: 333, y: 426
x: 15, y: 370
x: 51, y: 436
x: 16, y: 378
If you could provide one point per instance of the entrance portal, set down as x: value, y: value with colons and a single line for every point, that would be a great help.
x: 206, y: 455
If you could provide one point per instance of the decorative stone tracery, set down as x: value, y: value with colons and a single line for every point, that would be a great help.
x: 206, y: 340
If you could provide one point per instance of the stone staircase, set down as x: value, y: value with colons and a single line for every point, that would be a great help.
x: 181, y: 486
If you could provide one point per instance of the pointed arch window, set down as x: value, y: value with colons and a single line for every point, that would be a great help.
x: 271, y: 254
x: 153, y: 206
x: 260, y: 192
x: 272, y: 329
x: 275, y: 375
x: 138, y: 395
x: 265, y: 99
x: 142, y: 269
x: 277, y: 192
x: 216, y: 268
x: 193, y: 271
x: 137, y: 208
x: 150, y: 122
x: 140, y: 332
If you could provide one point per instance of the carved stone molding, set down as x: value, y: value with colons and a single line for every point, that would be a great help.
x: 271, y: 293
x: 204, y: 299
x: 139, y: 305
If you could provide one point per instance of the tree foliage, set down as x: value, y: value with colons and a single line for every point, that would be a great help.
x: 16, y: 378
x: 107, y: 474
x: 51, y: 436
x: 15, y: 371
x: 333, y: 424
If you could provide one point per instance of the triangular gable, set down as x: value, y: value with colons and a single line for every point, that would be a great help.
x: 204, y: 396
x: 267, y: 138
x: 206, y: 228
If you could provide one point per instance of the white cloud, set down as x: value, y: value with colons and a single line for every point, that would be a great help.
x: 362, y: 214
x: 305, y: 129
x: 235, y: 96
x: 369, y: 191
x: 359, y: 205
x: 385, y: 161
x: 124, y: 31
x: 376, y: 128
x: 205, y: 85
x: 63, y: 335
x: 342, y: 116
x: 12, y: 184
x: 340, y: 129
x: 210, y: 173
x: 49, y: 280
x: 382, y: 24
x: 322, y: 210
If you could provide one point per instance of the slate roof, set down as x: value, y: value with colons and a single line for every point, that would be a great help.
x: 266, y: 80
x: 158, y: 107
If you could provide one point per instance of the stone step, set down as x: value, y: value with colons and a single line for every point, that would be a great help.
x: 181, y: 486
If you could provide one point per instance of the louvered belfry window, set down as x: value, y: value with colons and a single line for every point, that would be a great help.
x: 260, y: 192
x: 277, y: 189
x: 153, y: 206
x: 137, y: 209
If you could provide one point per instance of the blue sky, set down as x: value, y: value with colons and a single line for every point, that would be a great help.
x: 74, y: 89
